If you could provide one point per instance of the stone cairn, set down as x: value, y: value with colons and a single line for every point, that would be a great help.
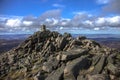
x: 43, y: 28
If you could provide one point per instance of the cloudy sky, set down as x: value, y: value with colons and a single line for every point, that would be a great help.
x: 74, y: 16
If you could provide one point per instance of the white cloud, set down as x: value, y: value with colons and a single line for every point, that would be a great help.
x: 27, y: 23
x: 48, y: 20
x: 89, y: 23
x: 61, y: 28
x: 100, y: 22
x: 58, y: 5
x: 82, y: 13
x: 108, y: 21
x: 96, y: 28
x: 114, y: 20
x: 79, y: 12
x: 51, y: 22
x: 56, y: 22
x: 13, y: 22
x: 65, y: 21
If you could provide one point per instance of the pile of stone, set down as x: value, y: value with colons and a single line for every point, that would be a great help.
x: 47, y: 55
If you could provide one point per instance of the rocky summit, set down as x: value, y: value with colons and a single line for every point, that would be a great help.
x: 49, y: 55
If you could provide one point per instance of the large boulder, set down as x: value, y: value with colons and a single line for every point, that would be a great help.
x: 61, y: 42
x: 50, y: 65
x: 72, y: 69
x: 99, y: 65
x: 72, y: 54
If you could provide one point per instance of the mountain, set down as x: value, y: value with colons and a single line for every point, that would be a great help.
x: 47, y: 55
x: 98, y: 35
x: 109, y: 42
x: 9, y: 41
x: 6, y: 45
x: 14, y: 36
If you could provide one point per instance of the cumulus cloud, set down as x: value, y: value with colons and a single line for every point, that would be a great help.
x: 96, y: 28
x: 65, y: 22
x: 108, y: 21
x: 54, y: 21
x: 27, y: 23
x: 13, y: 22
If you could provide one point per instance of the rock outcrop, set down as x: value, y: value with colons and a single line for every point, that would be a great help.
x: 47, y: 55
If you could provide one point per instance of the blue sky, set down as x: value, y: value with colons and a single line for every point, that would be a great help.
x: 74, y: 16
x: 37, y: 7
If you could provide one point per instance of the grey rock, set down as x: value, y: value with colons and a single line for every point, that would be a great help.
x: 56, y: 75
x: 66, y: 35
x: 47, y: 44
x: 50, y: 65
x: 96, y: 59
x: 72, y: 69
x: 38, y: 46
x: 100, y: 65
x: 110, y: 58
x: 81, y: 77
x: 72, y: 54
x: 61, y: 41
x: 81, y: 38
x: 28, y: 44
x: 76, y: 42
x: 113, y: 69
x: 55, y: 34
x: 96, y: 77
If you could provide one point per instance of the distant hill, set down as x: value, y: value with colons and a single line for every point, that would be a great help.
x: 109, y: 42
x: 14, y: 36
x: 98, y: 35
x: 8, y: 42
x: 6, y: 45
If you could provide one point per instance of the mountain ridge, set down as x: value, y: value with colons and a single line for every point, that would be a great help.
x: 47, y: 55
